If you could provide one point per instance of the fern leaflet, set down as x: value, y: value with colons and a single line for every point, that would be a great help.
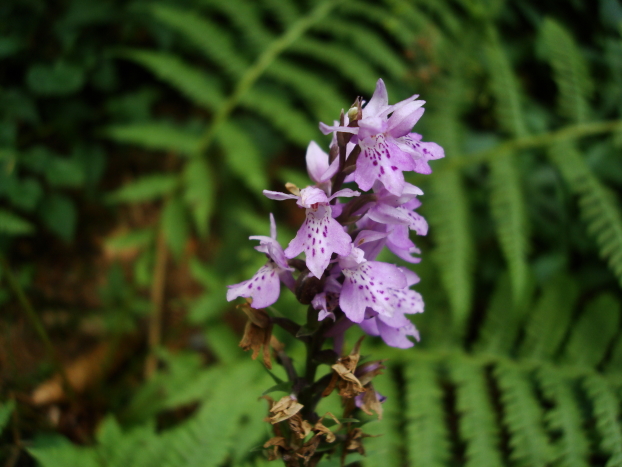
x: 597, y: 204
x: 508, y: 209
x: 426, y: 433
x: 570, y: 70
x: 523, y: 418
x: 572, y: 446
x: 477, y: 418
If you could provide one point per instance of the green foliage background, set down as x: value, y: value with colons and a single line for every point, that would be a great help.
x: 210, y: 101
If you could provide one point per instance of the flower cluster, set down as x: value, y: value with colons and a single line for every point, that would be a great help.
x: 344, y: 230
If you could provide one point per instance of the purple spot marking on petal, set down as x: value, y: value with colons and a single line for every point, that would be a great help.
x: 382, y: 170
x: 322, y: 250
x: 375, y: 163
x: 250, y: 286
x: 360, y: 287
x: 258, y: 288
x: 394, y: 168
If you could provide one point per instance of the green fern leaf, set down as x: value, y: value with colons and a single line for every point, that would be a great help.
x: 427, y: 437
x: 523, y: 418
x: 508, y: 209
x: 242, y: 156
x: 615, y: 360
x: 276, y: 109
x: 570, y: 70
x: 200, y: 193
x: 206, y: 440
x: 478, y: 426
x: 550, y: 319
x: 503, y: 319
x: 197, y: 86
x: 506, y: 91
x: 572, y: 446
x: 593, y: 332
x: 175, y: 225
x: 156, y: 136
x: 598, y: 205
x: 606, y: 411
x: 215, y: 42
x: 57, y: 451
x: 449, y: 219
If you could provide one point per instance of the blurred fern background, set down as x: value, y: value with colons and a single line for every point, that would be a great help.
x: 135, y: 140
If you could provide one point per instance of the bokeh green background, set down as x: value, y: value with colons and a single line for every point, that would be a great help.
x: 135, y: 140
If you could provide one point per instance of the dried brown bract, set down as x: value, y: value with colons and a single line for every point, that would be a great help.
x: 370, y: 402
x: 284, y: 409
x: 257, y: 333
x: 343, y: 377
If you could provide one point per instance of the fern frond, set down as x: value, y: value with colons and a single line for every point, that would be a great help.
x: 550, y: 319
x: 506, y: 91
x: 606, y: 411
x: 156, y: 136
x: 205, y: 441
x: 194, y: 84
x: 200, y: 193
x: 340, y: 59
x: 597, y: 204
x: 572, y: 447
x: 427, y: 437
x: 276, y: 109
x: 593, y: 332
x: 508, y: 210
x: 570, y: 70
x: 478, y: 426
x: 12, y: 224
x: 215, y: 42
x: 615, y: 360
x: 449, y: 219
x: 523, y: 418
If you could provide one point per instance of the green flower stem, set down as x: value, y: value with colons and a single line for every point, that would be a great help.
x: 529, y: 142
x: 254, y: 72
x: 37, y: 324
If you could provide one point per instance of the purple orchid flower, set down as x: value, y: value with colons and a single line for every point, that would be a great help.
x: 368, y: 284
x: 395, y: 329
x: 264, y: 287
x: 318, y: 167
x: 387, y: 146
x: 320, y: 235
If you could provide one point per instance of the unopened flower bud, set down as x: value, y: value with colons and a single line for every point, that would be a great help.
x: 353, y: 112
x: 307, y: 287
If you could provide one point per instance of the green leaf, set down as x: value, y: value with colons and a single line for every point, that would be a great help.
x: 156, y: 136
x: 6, y: 409
x: 25, y: 193
x: 56, y: 451
x: 64, y: 173
x: 60, y: 79
x: 133, y: 239
x: 146, y: 188
x: 200, y: 193
x: 12, y: 224
x: 59, y: 214
x: 175, y: 226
